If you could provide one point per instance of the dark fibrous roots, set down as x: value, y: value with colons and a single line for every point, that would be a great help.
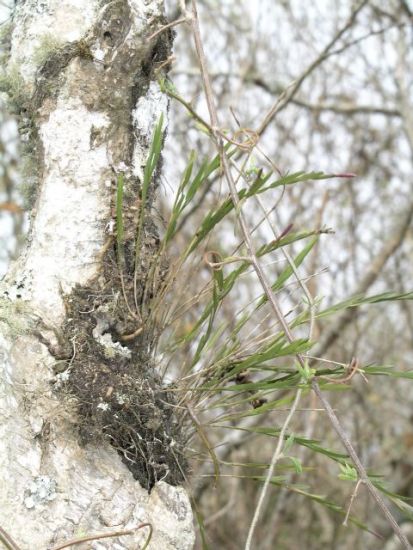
x: 120, y: 397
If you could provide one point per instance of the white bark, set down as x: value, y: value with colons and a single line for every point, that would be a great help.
x: 52, y: 488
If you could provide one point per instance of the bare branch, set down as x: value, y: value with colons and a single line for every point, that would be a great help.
x: 290, y: 92
x: 344, y: 319
x: 344, y: 108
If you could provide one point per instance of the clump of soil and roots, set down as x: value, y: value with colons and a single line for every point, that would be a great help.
x: 112, y: 372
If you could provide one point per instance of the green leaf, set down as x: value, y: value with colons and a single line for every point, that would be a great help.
x: 258, y: 187
x: 297, y: 464
x: 288, y: 271
x: 312, y: 444
x: 229, y: 281
x: 359, y: 300
x: 150, y: 166
x: 306, y: 372
x: 387, y: 370
x: 289, y: 443
x: 348, y: 473
x: 188, y: 189
x: 275, y: 349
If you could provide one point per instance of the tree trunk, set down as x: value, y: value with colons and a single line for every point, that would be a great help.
x: 89, y: 441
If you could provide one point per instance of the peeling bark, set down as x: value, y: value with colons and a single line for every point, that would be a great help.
x: 82, y: 77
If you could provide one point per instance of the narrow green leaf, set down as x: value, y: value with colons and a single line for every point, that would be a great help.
x: 150, y: 166
x: 289, y: 443
x: 359, y: 300
x: 230, y: 280
x: 288, y: 271
x: 213, y: 218
x: 383, y: 370
x: 347, y: 472
x: 275, y: 349
x: 297, y: 464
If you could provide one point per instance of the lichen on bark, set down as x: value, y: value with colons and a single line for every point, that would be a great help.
x: 121, y: 397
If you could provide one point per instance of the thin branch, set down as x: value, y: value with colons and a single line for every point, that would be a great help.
x: 291, y: 91
x: 358, y: 465
x: 345, y: 108
x: 353, y: 496
x: 364, y: 37
x: 166, y: 27
x: 276, y: 456
x: 344, y: 319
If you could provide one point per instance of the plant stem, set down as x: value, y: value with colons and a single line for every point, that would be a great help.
x: 263, y: 279
x: 275, y: 457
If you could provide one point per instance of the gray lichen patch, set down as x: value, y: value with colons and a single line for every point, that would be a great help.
x: 48, y: 44
x: 40, y: 491
x: 16, y: 317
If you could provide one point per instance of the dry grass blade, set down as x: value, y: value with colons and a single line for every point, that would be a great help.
x: 7, y: 541
x: 122, y: 533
